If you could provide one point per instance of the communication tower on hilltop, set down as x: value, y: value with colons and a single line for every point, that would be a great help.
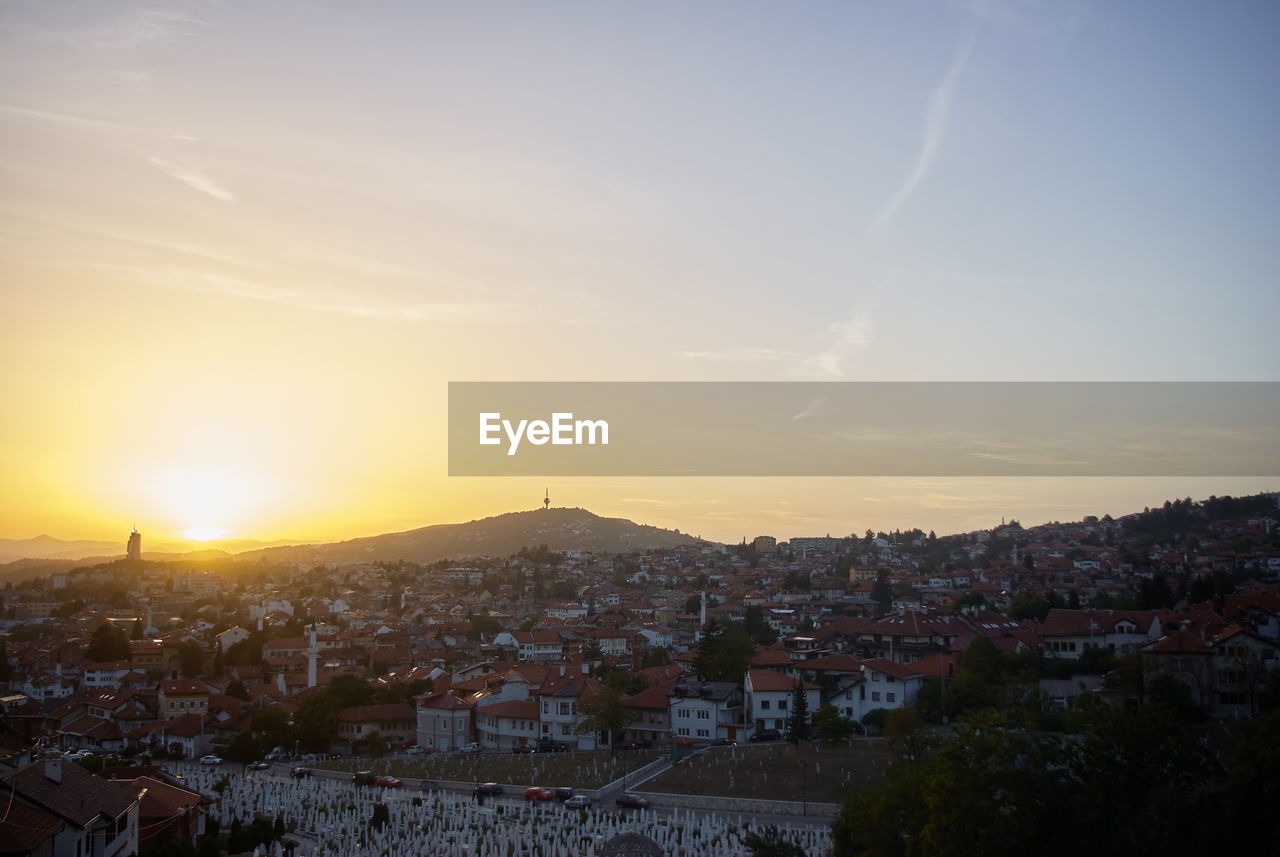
x: 546, y: 500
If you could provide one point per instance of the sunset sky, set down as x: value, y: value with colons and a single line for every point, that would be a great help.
x: 246, y: 245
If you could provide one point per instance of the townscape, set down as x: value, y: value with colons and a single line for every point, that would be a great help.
x: 213, y: 706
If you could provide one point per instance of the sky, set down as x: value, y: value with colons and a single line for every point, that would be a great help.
x: 244, y: 246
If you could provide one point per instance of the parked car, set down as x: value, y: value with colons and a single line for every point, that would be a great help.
x: 550, y: 747
x: 473, y: 747
x: 631, y: 801
x: 538, y: 793
x: 523, y: 748
x: 564, y: 793
x: 724, y: 742
x: 211, y: 760
x: 388, y: 782
x: 363, y: 778
x: 766, y: 735
x: 487, y: 789
x: 417, y: 751
x: 299, y: 773
x: 578, y: 802
x: 259, y: 766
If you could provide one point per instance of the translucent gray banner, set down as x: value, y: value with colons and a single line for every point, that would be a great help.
x: 864, y: 429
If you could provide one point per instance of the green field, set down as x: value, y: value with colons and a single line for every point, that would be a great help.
x: 584, y: 770
x: 812, y: 772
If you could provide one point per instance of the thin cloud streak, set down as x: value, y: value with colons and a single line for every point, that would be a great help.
x: 851, y: 336
x: 935, y: 123
x: 193, y: 179
x: 238, y: 287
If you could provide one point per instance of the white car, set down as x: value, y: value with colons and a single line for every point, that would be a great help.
x: 473, y: 747
x: 416, y: 751
x: 211, y: 760
x: 578, y: 802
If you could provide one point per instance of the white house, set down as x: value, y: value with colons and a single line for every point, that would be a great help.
x: 706, y: 711
x: 444, y: 722
x: 886, y: 685
x: 769, y: 697
x: 511, y: 723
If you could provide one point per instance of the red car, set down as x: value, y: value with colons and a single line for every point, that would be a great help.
x: 538, y: 793
x: 388, y: 782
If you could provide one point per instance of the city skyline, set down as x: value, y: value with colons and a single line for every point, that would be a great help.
x: 245, y: 248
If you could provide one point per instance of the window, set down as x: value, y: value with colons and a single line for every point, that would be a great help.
x: 875, y: 696
x: 703, y: 733
x: 889, y: 697
x: 564, y: 729
x: 683, y: 730
x: 566, y: 708
x: 782, y: 705
x: 703, y: 714
x: 684, y: 712
x: 764, y: 704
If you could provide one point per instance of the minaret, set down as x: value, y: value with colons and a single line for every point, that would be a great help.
x: 134, y: 550
x: 311, y: 659
x: 546, y: 500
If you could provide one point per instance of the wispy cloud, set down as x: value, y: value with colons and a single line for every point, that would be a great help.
x: 145, y: 27
x: 473, y: 311
x: 935, y: 123
x: 193, y: 179
x: 848, y: 337
x: 59, y: 118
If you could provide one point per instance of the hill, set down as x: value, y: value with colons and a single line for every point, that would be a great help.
x: 501, y: 535
x: 47, y: 547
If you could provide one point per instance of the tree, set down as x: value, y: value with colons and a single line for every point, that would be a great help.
x: 480, y: 625
x: 656, y: 657
x: 317, y: 722
x: 882, y: 591
x: 771, y: 843
x: 381, y: 816
x: 605, y: 712
x: 833, y: 727
x: 375, y: 745
x: 273, y: 727
x: 798, y: 719
x: 108, y: 643
x: 723, y: 653
x: 237, y: 689
x: 6, y: 670
x: 136, y: 634
x: 348, y: 691
x: 244, y: 748
x: 755, y: 624
x: 190, y: 659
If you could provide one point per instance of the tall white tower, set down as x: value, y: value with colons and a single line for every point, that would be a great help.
x: 312, y: 653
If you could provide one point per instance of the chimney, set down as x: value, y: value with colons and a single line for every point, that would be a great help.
x: 53, y: 770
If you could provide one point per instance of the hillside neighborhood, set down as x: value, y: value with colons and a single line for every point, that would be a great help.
x: 685, y: 646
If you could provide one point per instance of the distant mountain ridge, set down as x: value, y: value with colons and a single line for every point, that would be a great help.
x: 48, y: 547
x: 501, y: 535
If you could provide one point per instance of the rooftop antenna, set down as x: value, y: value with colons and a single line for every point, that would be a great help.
x: 546, y: 500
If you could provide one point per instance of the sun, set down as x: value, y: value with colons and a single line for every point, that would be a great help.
x: 205, y: 534
x: 208, y: 501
